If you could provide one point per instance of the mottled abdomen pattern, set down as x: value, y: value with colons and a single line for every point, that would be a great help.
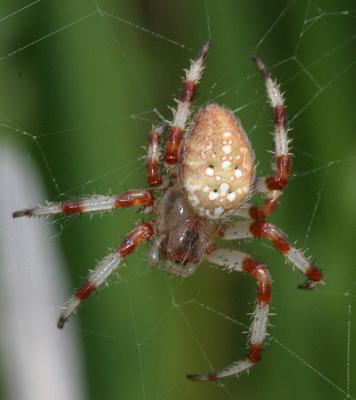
x: 217, y: 167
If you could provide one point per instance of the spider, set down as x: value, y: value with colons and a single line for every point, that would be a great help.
x: 209, y: 179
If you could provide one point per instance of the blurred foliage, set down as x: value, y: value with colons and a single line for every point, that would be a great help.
x: 84, y: 83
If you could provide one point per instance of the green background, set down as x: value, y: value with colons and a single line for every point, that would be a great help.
x: 85, y: 80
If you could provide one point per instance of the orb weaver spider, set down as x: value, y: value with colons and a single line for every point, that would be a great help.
x: 209, y: 179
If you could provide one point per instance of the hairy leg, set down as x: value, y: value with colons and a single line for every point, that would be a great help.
x: 182, y: 111
x: 253, y: 229
x: 105, y: 268
x: 154, y: 179
x: 241, y: 262
x: 91, y: 204
x: 273, y: 185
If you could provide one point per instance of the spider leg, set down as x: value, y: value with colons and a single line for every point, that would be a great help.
x: 270, y: 203
x: 182, y: 111
x: 273, y: 185
x: 251, y: 211
x: 154, y: 179
x: 241, y: 262
x: 252, y: 229
x: 105, y: 268
x: 142, y: 197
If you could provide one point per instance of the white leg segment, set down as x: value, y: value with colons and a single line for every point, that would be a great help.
x: 91, y: 204
x: 193, y: 75
x: 238, y: 261
x: 106, y: 267
x: 88, y: 205
x: 101, y: 272
x: 258, y: 329
x: 277, y: 102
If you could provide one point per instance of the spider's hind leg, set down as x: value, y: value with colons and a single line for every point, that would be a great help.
x: 237, y: 261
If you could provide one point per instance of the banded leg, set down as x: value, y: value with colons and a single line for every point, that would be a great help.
x: 105, y: 268
x: 273, y: 185
x: 270, y: 203
x: 237, y: 261
x: 92, y: 204
x: 250, y: 229
x: 248, y: 210
x: 182, y: 111
x: 153, y: 154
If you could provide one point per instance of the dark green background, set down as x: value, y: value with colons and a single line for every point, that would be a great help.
x: 88, y: 91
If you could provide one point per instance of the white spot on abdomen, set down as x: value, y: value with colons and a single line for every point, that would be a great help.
x: 223, y: 188
x: 225, y: 164
x: 213, y: 195
x: 238, y: 173
x: 231, y: 196
x: 227, y: 149
x: 209, y: 171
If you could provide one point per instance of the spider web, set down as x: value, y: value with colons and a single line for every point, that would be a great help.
x: 82, y: 84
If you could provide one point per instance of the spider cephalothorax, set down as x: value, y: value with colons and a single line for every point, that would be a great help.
x: 209, y: 179
x: 183, y: 235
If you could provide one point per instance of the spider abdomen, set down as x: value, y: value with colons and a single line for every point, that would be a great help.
x: 217, y: 163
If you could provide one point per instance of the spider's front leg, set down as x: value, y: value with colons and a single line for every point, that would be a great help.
x: 259, y: 229
x: 241, y: 262
x: 93, y: 204
x: 273, y: 185
x: 182, y: 111
x: 105, y: 268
